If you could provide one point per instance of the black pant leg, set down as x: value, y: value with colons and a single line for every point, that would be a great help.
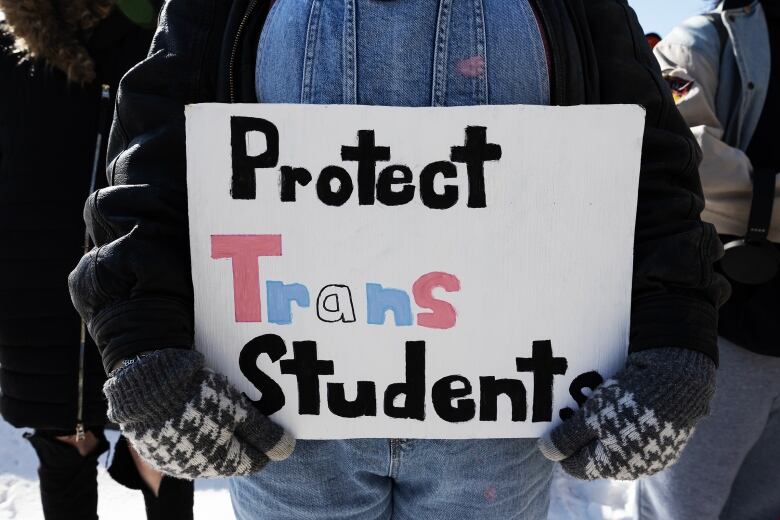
x: 175, y: 499
x: 68, y: 480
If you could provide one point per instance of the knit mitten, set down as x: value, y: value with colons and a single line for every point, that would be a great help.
x: 637, y: 423
x: 188, y: 421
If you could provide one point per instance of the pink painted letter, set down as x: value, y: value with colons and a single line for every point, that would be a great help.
x: 443, y: 314
x: 244, y: 250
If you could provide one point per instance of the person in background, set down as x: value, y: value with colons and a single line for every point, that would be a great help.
x: 652, y: 39
x: 724, y: 70
x: 60, y: 65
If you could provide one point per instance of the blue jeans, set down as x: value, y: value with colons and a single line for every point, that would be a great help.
x: 373, y: 479
x: 401, y: 53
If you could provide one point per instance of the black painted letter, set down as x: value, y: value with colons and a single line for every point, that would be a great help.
x: 272, y: 399
x: 544, y: 367
x: 387, y: 179
x: 366, y: 153
x: 475, y: 152
x: 428, y: 194
x: 590, y: 380
x: 364, y: 403
x: 489, y: 390
x: 243, y: 184
x: 325, y: 190
x: 289, y: 177
x: 442, y: 395
x: 308, y: 369
x: 413, y: 388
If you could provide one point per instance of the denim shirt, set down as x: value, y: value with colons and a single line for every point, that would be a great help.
x: 402, y: 53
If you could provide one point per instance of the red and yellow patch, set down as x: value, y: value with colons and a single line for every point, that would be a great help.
x: 680, y: 87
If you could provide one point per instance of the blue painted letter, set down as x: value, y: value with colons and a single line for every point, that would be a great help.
x: 280, y: 298
x: 381, y: 299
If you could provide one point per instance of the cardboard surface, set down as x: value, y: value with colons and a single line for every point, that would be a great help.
x: 498, y: 252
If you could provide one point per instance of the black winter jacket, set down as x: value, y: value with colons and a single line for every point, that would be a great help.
x: 135, y: 289
x: 48, y: 130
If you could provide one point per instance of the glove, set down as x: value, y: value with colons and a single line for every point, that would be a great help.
x: 637, y: 423
x: 189, y: 422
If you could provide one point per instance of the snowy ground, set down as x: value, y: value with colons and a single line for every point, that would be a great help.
x: 19, y: 498
x: 599, y: 500
x: 19, y: 492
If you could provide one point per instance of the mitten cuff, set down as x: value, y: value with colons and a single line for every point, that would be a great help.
x: 681, y: 386
x: 155, y: 387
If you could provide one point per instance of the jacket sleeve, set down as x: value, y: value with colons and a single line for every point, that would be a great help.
x: 134, y: 288
x: 690, y: 61
x: 676, y: 293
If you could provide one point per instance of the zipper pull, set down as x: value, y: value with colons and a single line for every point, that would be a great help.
x: 80, y: 433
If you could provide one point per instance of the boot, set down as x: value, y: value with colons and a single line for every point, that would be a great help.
x: 175, y: 498
x: 68, y: 480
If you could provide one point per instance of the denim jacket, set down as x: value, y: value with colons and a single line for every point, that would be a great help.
x: 724, y: 92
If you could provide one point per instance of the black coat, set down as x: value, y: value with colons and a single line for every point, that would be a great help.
x: 48, y: 130
x: 135, y: 292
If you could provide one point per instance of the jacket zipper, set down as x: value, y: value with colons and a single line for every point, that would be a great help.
x: 234, y: 51
x: 105, y: 105
x: 80, y: 432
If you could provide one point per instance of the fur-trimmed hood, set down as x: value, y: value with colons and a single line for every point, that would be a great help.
x: 55, y: 31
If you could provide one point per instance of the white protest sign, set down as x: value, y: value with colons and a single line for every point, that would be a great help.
x: 458, y: 272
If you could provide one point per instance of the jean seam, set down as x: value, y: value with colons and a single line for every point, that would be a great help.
x: 349, y: 59
x: 312, y: 32
x: 440, y: 55
x: 481, y: 51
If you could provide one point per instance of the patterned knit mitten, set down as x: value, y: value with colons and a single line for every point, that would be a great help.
x: 188, y: 421
x: 637, y: 423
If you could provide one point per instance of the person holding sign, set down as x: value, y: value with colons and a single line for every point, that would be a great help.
x: 135, y: 289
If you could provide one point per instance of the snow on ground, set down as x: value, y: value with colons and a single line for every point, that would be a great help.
x: 597, y: 500
x: 19, y: 499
